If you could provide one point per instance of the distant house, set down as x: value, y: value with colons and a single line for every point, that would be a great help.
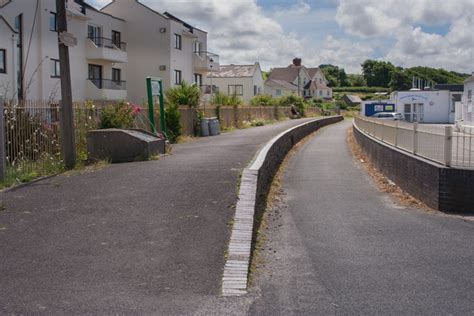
x: 298, y: 79
x: 351, y: 99
x: 244, y: 81
x: 466, y: 115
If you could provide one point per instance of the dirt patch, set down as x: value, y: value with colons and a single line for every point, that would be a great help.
x: 383, y: 183
x: 272, y: 212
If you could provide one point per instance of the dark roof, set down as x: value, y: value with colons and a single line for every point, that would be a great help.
x: 288, y: 74
x: 353, y: 98
x: 450, y: 87
x: 189, y: 26
x: 91, y: 7
x: 4, y: 4
x: 312, y: 71
x: 281, y: 84
x: 235, y: 71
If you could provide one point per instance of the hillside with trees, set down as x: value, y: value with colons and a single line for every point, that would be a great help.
x: 385, y: 75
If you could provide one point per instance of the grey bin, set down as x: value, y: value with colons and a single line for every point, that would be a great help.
x: 214, y: 126
x: 204, y: 127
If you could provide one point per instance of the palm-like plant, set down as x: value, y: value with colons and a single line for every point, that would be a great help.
x: 184, y: 94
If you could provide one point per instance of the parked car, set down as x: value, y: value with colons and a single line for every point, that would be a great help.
x: 388, y: 116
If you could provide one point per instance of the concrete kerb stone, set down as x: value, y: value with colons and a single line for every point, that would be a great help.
x: 255, y: 181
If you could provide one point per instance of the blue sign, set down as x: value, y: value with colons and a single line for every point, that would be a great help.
x: 372, y: 108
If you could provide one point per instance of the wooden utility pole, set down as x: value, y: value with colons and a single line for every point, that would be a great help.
x: 67, y: 114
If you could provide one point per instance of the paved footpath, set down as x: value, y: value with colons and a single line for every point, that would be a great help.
x: 145, y: 237
x: 336, y: 245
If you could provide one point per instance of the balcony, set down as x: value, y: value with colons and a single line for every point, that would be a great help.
x: 101, y: 48
x: 105, y: 89
x: 204, y: 61
x: 208, y: 89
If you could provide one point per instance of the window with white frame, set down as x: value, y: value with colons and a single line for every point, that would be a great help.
x: 3, y: 61
x: 277, y: 92
x: 177, y: 77
x: 177, y: 41
x: 235, y: 89
x: 469, y: 95
x: 55, y: 70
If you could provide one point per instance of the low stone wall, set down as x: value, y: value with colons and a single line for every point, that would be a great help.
x: 445, y: 189
x: 254, y: 187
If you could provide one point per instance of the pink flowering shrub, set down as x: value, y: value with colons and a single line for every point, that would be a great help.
x: 119, y: 116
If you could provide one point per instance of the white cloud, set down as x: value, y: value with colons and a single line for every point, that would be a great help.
x: 241, y: 31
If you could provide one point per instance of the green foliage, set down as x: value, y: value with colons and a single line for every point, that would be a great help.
x: 119, y: 116
x: 265, y: 74
x: 184, y: 94
x: 341, y: 104
x: 173, y: 124
x: 314, y: 102
x: 257, y: 123
x: 361, y: 89
x: 356, y: 80
x: 222, y: 99
x: 292, y: 99
x: 263, y: 100
x: 377, y: 73
x: 335, y: 76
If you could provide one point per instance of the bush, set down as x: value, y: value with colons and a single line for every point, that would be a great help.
x: 341, y: 104
x: 361, y: 89
x: 184, y: 94
x: 263, y: 100
x: 222, y: 99
x: 172, y: 116
x: 119, y: 116
x: 291, y: 99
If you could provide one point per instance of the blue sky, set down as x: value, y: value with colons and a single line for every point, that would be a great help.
x: 436, y: 33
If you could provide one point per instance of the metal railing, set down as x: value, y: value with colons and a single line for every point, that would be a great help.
x: 208, y: 89
x: 109, y: 84
x: 444, y: 144
x: 108, y: 43
x: 208, y: 55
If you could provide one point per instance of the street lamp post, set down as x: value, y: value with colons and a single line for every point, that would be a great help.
x: 211, y: 60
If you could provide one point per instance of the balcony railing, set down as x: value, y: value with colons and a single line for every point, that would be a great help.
x: 109, y: 84
x: 210, y: 57
x: 208, y: 89
x: 108, y: 43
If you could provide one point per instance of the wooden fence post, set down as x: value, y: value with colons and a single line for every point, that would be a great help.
x: 2, y: 140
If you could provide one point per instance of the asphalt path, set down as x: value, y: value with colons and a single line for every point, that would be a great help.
x: 337, y: 245
x: 134, y: 238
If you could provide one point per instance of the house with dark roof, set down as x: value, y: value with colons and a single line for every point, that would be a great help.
x: 244, y: 81
x: 298, y: 79
x: 351, y: 99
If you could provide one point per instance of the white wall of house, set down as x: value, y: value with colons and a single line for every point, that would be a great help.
x: 8, y: 44
x: 151, y: 47
x: 466, y: 107
x: 429, y: 106
x: 39, y: 80
x: 278, y: 91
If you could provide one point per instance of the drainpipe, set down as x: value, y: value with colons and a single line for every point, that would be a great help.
x: 14, y: 66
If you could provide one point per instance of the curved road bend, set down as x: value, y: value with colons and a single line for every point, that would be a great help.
x: 135, y: 238
x: 339, y: 246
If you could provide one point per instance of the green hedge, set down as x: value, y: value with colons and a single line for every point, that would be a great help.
x: 361, y: 89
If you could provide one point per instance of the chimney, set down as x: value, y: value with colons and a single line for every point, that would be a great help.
x: 297, y: 61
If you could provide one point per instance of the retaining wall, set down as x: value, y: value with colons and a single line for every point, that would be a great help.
x: 254, y: 187
x: 445, y: 189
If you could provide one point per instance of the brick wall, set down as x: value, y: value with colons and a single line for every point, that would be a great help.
x: 445, y: 189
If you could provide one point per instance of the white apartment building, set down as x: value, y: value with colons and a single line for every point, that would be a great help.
x: 117, y: 48
x: 96, y: 61
x: 244, y: 81
x: 466, y: 107
x: 161, y: 45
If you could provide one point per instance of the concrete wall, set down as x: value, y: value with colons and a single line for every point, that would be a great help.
x: 441, y: 188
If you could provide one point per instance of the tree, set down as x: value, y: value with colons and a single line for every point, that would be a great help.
x: 377, y: 73
x: 399, y: 80
x: 335, y: 76
x: 356, y: 80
